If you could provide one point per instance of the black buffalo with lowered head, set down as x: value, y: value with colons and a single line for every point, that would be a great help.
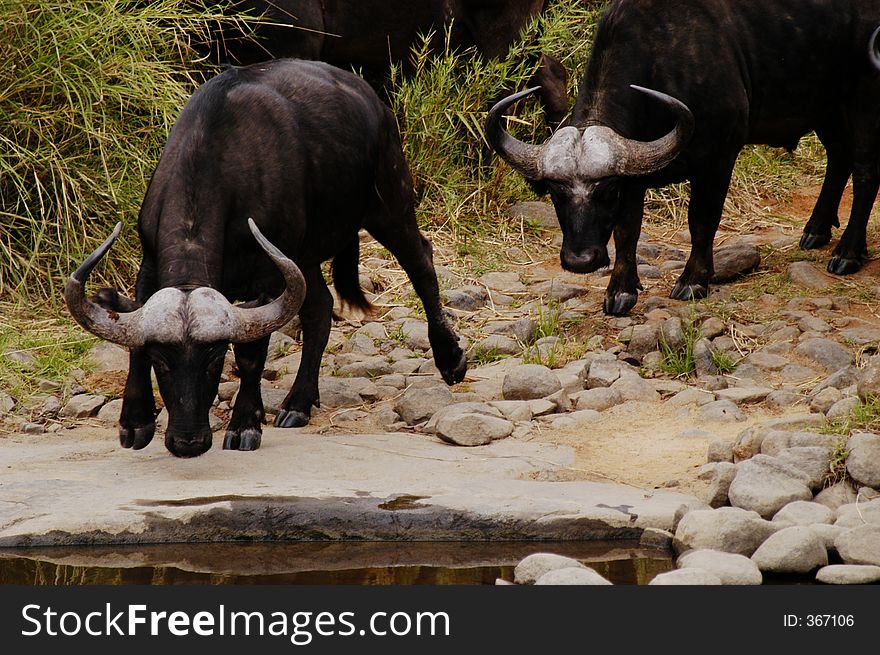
x: 370, y: 35
x: 673, y: 91
x: 310, y: 153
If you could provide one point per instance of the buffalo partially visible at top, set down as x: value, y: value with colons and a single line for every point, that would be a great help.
x: 673, y: 91
x: 370, y: 35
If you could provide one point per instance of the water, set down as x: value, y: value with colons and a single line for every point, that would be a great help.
x: 349, y: 563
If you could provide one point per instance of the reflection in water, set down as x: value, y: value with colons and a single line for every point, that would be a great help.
x: 374, y: 563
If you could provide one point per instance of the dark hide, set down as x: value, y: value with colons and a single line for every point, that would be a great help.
x: 751, y: 71
x: 312, y: 155
x: 369, y: 35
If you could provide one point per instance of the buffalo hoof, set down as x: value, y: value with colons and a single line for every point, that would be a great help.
x: 811, y: 241
x: 844, y: 265
x: 247, y: 439
x: 454, y: 375
x: 291, y: 418
x: 620, y: 303
x: 136, y: 438
x: 683, y: 291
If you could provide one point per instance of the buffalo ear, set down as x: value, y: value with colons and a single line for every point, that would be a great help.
x: 109, y: 298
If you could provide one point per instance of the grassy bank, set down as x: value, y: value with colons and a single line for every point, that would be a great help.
x: 94, y: 87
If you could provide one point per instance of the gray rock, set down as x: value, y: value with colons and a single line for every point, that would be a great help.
x: 472, y: 428
x: 687, y: 577
x: 843, y: 408
x: 7, y: 403
x: 796, y: 549
x: 420, y: 403
x: 712, y: 327
x: 82, y: 406
x: 782, y: 399
x: 514, y: 410
x: 813, y: 324
x: 598, y: 399
x: 498, y: 344
x: 720, y: 450
x: 522, y: 329
x: 731, y: 568
x: 722, y: 411
x: 848, y: 574
x: 734, y: 260
x: 32, y: 428
x: 672, y: 333
x: 767, y: 361
x: 845, y: 377
x: 535, y: 565
x: 529, y: 381
x: 868, y: 385
x: 575, y: 419
x: 644, y: 339
x: 860, y: 545
x: 749, y: 441
x: 805, y: 274
x: 862, y: 336
x: 505, y: 282
x: 602, y: 373
x: 743, y: 395
x: 840, y: 493
x: 364, y: 367
x: 575, y: 575
x: 558, y: 290
x: 824, y: 399
x: 468, y: 298
x: 50, y: 407
x: 765, y: 484
x: 691, y: 396
x: 415, y: 334
x: 719, y: 484
x: 341, y: 392
x: 359, y: 344
x: 828, y: 533
x: 858, y: 513
x: 632, y: 387
x: 812, y: 461
x: 703, y: 361
x: 105, y: 356
x: 536, y: 213
x: 111, y: 412
x: 803, y: 512
x: 825, y: 352
x: 729, y: 529
x: 863, y: 462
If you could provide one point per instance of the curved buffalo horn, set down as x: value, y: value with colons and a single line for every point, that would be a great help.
x: 644, y: 157
x: 107, y: 324
x: 256, y: 323
x: 874, y: 49
x: 523, y: 157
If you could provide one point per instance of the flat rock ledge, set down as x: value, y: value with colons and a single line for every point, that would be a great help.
x: 309, y: 487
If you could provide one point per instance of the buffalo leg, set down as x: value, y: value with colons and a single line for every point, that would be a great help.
x: 623, y: 289
x: 817, y: 231
x: 245, y: 429
x: 852, y: 251
x: 704, y: 214
x: 314, y: 315
x: 415, y: 254
x: 137, y: 421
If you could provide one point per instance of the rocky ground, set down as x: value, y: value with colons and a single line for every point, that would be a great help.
x: 761, y: 429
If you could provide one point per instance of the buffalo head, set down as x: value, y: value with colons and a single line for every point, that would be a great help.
x: 582, y: 169
x: 185, y: 332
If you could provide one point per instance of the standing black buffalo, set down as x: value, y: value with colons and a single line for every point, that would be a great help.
x: 311, y: 153
x: 369, y: 35
x: 712, y: 76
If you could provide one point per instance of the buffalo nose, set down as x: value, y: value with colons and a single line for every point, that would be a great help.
x: 188, y: 444
x: 586, y: 260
